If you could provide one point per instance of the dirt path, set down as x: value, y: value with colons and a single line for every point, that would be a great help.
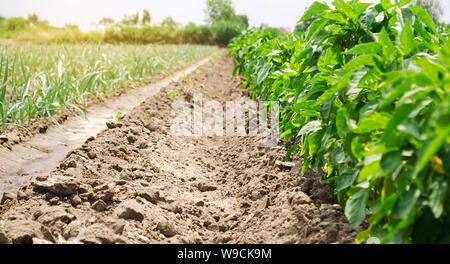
x: 137, y: 183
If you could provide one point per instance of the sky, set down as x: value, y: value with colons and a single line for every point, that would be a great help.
x: 84, y: 13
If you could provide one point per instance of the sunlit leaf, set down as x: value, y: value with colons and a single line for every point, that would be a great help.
x: 407, y: 39
x: 423, y: 16
x: 313, y: 10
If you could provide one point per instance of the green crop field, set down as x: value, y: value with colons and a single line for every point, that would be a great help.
x: 364, y: 91
x: 40, y: 80
x: 363, y: 96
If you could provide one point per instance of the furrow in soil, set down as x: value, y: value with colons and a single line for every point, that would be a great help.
x: 136, y: 182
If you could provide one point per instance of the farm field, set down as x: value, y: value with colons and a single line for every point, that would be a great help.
x: 133, y: 143
x: 144, y: 185
x: 41, y: 80
x: 37, y: 148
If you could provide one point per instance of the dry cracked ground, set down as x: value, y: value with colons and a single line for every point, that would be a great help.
x: 135, y: 182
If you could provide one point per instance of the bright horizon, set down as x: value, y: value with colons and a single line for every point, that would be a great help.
x: 83, y: 13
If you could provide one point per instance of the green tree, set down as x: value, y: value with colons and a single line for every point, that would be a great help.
x: 131, y: 19
x: 219, y: 10
x: 72, y: 27
x: 16, y: 23
x: 135, y: 18
x: 169, y: 22
x: 433, y: 7
x: 126, y: 20
x: 146, y: 17
x: 43, y: 23
x: 33, y: 18
x: 106, y: 21
x: 224, y: 21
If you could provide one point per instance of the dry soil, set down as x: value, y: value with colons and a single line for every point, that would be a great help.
x: 135, y: 182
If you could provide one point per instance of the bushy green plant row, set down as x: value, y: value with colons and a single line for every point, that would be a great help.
x: 365, y: 96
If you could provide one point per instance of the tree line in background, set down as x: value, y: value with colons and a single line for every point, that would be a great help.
x: 223, y: 24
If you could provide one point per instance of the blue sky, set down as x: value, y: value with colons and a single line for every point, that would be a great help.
x: 279, y: 13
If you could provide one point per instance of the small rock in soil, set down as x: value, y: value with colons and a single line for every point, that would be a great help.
x: 130, y: 210
x: 86, y: 196
x: 51, y: 215
x: 54, y: 201
x: 121, y: 182
x: 68, y: 164
x: 131, y: 139
x: 58, y: 185
x: 204, y: 187
x: 149, y: 194
x: 106, y: 196
x: 143, y: 145
x: 200, y: 203
x: 92, y: 155
x: 73, y: 229
x: 300, y: 198
x: 101, y: 188
x: 4, y: 239
x: 76, y: 200
x: 43, y: 129
x: 263, y: 204
x: 118, y: 226
x: 99, y: 206
x: 111, y: 125
x: 21, y: 195
x: 287, y: 165
x: 166, y: 228
x: 84, y: 188
x: 149, y: 125
x: 7, y: 197
x: 97, y: 234
x: 117, y: 167
x: 22, y: 231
